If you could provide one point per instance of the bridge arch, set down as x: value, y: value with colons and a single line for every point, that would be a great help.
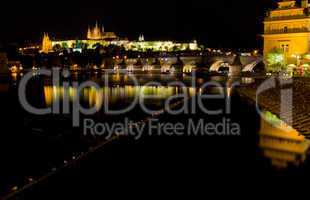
x: 216, y: 66
x: 165, y: 68
x: 231, y: 70
x: 189, y: 68
x: 251, y: 66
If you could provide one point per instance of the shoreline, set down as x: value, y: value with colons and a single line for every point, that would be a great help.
x: 270, y: 101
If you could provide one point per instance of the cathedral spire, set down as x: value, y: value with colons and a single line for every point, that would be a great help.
x: 46, y: 43
x: 141, y: 38
x: 89, y: 32
x: 95, y: 32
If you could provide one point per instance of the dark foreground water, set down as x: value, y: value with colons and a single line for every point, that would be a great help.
x: 33, y: 146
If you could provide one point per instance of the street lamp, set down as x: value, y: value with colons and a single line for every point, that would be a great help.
x: 285, y: 49
x: 298, y: 57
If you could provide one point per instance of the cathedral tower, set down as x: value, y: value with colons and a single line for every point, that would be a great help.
x: 95, y: 33
x: 46, y: 44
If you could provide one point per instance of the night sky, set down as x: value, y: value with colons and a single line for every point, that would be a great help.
x: 226, y: 23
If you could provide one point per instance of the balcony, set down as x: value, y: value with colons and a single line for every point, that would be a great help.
x: 285, y: 31
x: 267, y: 19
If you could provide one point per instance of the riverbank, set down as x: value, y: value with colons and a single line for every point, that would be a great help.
x: 270, y: 100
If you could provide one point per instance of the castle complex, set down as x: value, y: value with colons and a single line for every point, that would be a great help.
x: 97, y: 35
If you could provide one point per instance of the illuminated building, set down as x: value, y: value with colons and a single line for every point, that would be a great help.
x: 287, y: 29
x: 141, y: 38
x: 97, y: 35
x: 47, y: 45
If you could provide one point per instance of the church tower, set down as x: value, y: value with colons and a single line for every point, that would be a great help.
x: 288, y: 28
x: 141, y: 38
x: 95, y: 33
x: 89, y: 34
x: 46, y: 44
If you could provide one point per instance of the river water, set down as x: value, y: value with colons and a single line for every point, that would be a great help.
x: 32, y: 146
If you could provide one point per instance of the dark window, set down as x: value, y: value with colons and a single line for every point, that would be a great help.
x: 285, y: 29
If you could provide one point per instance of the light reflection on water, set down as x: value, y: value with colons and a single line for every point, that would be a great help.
x: 281, y: 144
x: 282, y: 148
x: 114, y: 94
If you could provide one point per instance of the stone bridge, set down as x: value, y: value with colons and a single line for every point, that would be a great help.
x: 188, y: 64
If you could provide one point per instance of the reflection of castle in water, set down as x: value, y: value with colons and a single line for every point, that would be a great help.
x: 114, y: 94
x: 282, y: 146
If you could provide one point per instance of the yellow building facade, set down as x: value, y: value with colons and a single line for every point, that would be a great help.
x: 288, y: 28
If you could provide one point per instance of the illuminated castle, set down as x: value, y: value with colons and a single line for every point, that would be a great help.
x: 288, y: 28
x: 47, y: 45
x: 97, y: 33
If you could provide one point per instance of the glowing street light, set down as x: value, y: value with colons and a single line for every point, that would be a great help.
x: 297, y: 57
